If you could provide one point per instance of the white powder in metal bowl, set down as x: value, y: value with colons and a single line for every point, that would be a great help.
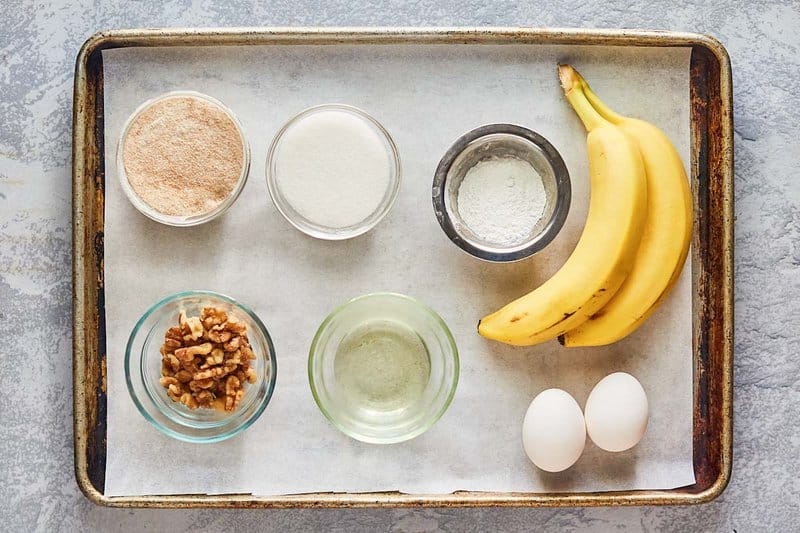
x: 333, y: 168
x: 501, y: 200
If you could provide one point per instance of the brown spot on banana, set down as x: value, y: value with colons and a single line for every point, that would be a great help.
x: 554, y: 324
x: 600, y: 312
x: 517, y: 318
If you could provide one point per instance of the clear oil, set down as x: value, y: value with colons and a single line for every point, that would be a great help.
x: 382, y: 366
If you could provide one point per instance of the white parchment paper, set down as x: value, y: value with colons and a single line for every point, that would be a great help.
x: 426, y: 96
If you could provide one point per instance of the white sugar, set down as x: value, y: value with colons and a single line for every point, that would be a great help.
x: 501, y: 200
x: 333, y: 168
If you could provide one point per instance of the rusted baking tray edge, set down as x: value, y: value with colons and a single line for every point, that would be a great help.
x: 712, y: 259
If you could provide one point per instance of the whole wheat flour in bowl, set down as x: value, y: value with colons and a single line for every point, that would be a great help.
x: 183, y: 158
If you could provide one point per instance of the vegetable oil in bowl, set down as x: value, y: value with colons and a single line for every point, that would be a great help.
x: 382, y: 366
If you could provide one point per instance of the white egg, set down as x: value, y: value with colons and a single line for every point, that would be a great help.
x: 617, y: 412
x: 553, y: 432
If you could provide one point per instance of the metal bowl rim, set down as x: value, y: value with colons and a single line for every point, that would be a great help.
x: 563, y: 192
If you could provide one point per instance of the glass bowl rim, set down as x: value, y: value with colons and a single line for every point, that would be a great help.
x: 246, y: 422
x: 305, y: 225
x: 430, y: 420
x: 175, y: 220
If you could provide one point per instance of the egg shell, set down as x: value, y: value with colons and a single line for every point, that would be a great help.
x: 617, y: 412
x: 554, y: 432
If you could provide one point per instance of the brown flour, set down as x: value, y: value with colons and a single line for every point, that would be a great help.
x: 183, y: 155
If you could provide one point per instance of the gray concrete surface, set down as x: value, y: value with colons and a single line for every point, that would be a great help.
x: 38, y: 44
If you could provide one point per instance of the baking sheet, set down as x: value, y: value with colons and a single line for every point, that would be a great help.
x: 426, y: 96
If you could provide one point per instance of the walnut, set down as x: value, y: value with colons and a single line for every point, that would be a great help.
x: 183, y: 322
x: 199, y: 384
x: 230, y: 366
x: 237, y: 398
x: 233, y: 324
x: 166, y: 381
x: 204, y: 398
x: 233, y: 344
x: 196, y: 327
x: 173, y: 334
x: 184, y: 376
x: 188, y: 354
x: 216, y: 372
x: 171, y: 344
x: 231, y: 384
x: 235, y: 358
x: 248, y: 352
x: 206, y: 360
x: 174, y: 391
x: 220, y: 335
x: 174, y: 362
x: 188, y: 400
x: 217, y: 356
x: 213, y: 316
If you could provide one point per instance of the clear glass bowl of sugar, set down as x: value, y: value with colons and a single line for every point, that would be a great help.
x: 333, y: 171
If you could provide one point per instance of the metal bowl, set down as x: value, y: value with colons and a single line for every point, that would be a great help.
x: 498, y: 141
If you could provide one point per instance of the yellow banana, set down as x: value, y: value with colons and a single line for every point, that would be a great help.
x: 665, y: 240
x: 604, y: 254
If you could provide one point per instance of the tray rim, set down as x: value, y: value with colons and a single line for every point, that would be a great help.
x: 393, y: 35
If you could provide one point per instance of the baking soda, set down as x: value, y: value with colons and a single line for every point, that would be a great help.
x: 501, y: 200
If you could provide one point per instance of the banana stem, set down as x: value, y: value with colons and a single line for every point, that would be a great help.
x: 574, y: 91
x: 599, y: 106
x: 607, y: 113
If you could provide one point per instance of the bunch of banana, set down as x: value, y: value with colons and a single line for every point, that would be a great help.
x: 605, y: 252
x: 665, y: 240
x: 632, y: 248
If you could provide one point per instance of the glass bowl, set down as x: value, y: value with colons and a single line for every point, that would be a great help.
x: 143, y: 371
x: 498, y: 141
x: 182, y: 221
x: 304, y: 224
x: 356, y: 414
